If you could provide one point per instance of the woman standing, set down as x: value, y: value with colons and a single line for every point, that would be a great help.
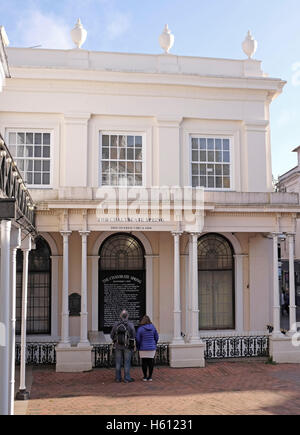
x: 146, y: 341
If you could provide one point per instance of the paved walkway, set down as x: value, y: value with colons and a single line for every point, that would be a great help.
x: 221, y: 388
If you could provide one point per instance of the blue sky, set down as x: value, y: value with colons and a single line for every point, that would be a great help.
x: 214, y: 28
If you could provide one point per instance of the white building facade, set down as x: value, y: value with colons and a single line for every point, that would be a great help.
x: 82, y: 123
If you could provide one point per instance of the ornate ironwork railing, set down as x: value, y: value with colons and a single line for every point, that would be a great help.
x: 236, y: 347
x: 38, y: 353
x: 104, y: 356
x: 13, y: 186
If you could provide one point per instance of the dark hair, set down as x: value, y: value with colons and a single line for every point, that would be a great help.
x: 145, y: 320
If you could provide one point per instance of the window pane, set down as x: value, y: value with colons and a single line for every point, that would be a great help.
x: 203, y: 156
x: 218, y: 157
x: 218, y: 169
x: 37, y: 151
x: 219, y: 182
x: 211, y: 156
x: 122, y: 141
x: 203, y: 182
x: 105, y: 153
x: 130, y: 141
x: 138, y: 154
x: 37, y: 178
x: 46, y: 151
x: 211, y: 182
x: 105, y: 140
x: 226, y: 170
x: 194, y: 143
x: 46, y: 165
x: 21, y: 138
x: 226, y: 183
x: 130, y: 154
x: 226, y: 144
x: 114, y: 141
x: 218, y: 143
x: 203, y: 144
x: 113, y: 153
x: 29, y: 178
x: 138, y: 141
x: 130, y: 168
x: 138, y: 180
x: 195, y: 169
x: 29, y: 138
x: 13, y: 150
x: 210, y: 144
x: 37, y: 165
x: 226, y: 157
x: 195, y: 181
x: 46, y: 178
x: 12, y: 138
x: 195, y: 156
x: 46, y: 138
x: 122, y: 154
x: 28, y: 165
x: 138, y: 168
x: 38, y: 138
x: 202, y: 169
x: 20, y: 151
x: 122, y: 167
x: 29, y: 151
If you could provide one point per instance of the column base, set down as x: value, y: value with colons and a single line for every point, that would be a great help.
x: 74, y: 359
x: 22, y: 395
x: 187, y: 355
x: 283, y: 351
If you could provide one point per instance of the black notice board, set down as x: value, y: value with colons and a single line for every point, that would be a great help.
x: 120, y: 290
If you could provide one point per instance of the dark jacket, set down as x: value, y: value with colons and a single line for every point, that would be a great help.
x: 130, y: 328
x: 147, y: 337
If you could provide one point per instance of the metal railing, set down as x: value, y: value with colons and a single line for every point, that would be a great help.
x: 236, y: 347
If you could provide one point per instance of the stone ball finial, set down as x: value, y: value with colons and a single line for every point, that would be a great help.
x: 78, y: 34
x: 249, y: 45
x: 166, y: 39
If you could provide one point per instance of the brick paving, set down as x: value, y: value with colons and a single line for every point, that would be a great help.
x: 220, y: 388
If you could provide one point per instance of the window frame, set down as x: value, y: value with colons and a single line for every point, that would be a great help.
x: 33, y: 131
x: 100, y: 160
x: 231, y: 161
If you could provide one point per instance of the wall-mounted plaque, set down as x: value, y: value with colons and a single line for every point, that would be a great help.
x: 74, y: 304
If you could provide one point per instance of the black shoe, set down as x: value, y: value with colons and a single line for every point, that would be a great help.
x: 127, y: 381
x: 118, y: 380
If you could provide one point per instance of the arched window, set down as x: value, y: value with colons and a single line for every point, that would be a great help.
x: 39, y: 289
x: 122, y: 252
x: 122, y: 282
x: 216, y: 283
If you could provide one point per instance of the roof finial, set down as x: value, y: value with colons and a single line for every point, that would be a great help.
x: 166, y: 39
x: 249, y: 45
x: 79, y: 34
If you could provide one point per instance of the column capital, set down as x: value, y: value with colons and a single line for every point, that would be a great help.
x: 291, y: 234
x: 65, y: 233
x: 84, y: 233
x: 176, y: 233
x: 26, y: 244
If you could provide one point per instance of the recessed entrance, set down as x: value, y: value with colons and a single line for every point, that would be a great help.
x: 122, y: 280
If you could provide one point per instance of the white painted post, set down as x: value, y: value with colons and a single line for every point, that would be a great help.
x: 15, y: 243
x: 276, y: 302
x: 195, y: 303
x: 177, y: 338
x: 292, y: 293
x: 26, y: 247
x: 83, y: 315
x: 65, y: 339
x: 4, y: 322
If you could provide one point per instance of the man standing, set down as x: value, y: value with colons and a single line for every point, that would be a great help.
x: 123, y: 334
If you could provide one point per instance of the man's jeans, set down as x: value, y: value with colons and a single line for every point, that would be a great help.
x: 121, y: 354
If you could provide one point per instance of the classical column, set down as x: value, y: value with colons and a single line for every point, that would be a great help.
x: 83, y: 315
x: 194, y: 338
x: 15, y: 243
x: 276, y: 301
x: 292, y: 295
x: 177, y: 338
x: 4, y: 309
x: 26, y: 247
x: 239, y: 293
x: 65, y: 339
